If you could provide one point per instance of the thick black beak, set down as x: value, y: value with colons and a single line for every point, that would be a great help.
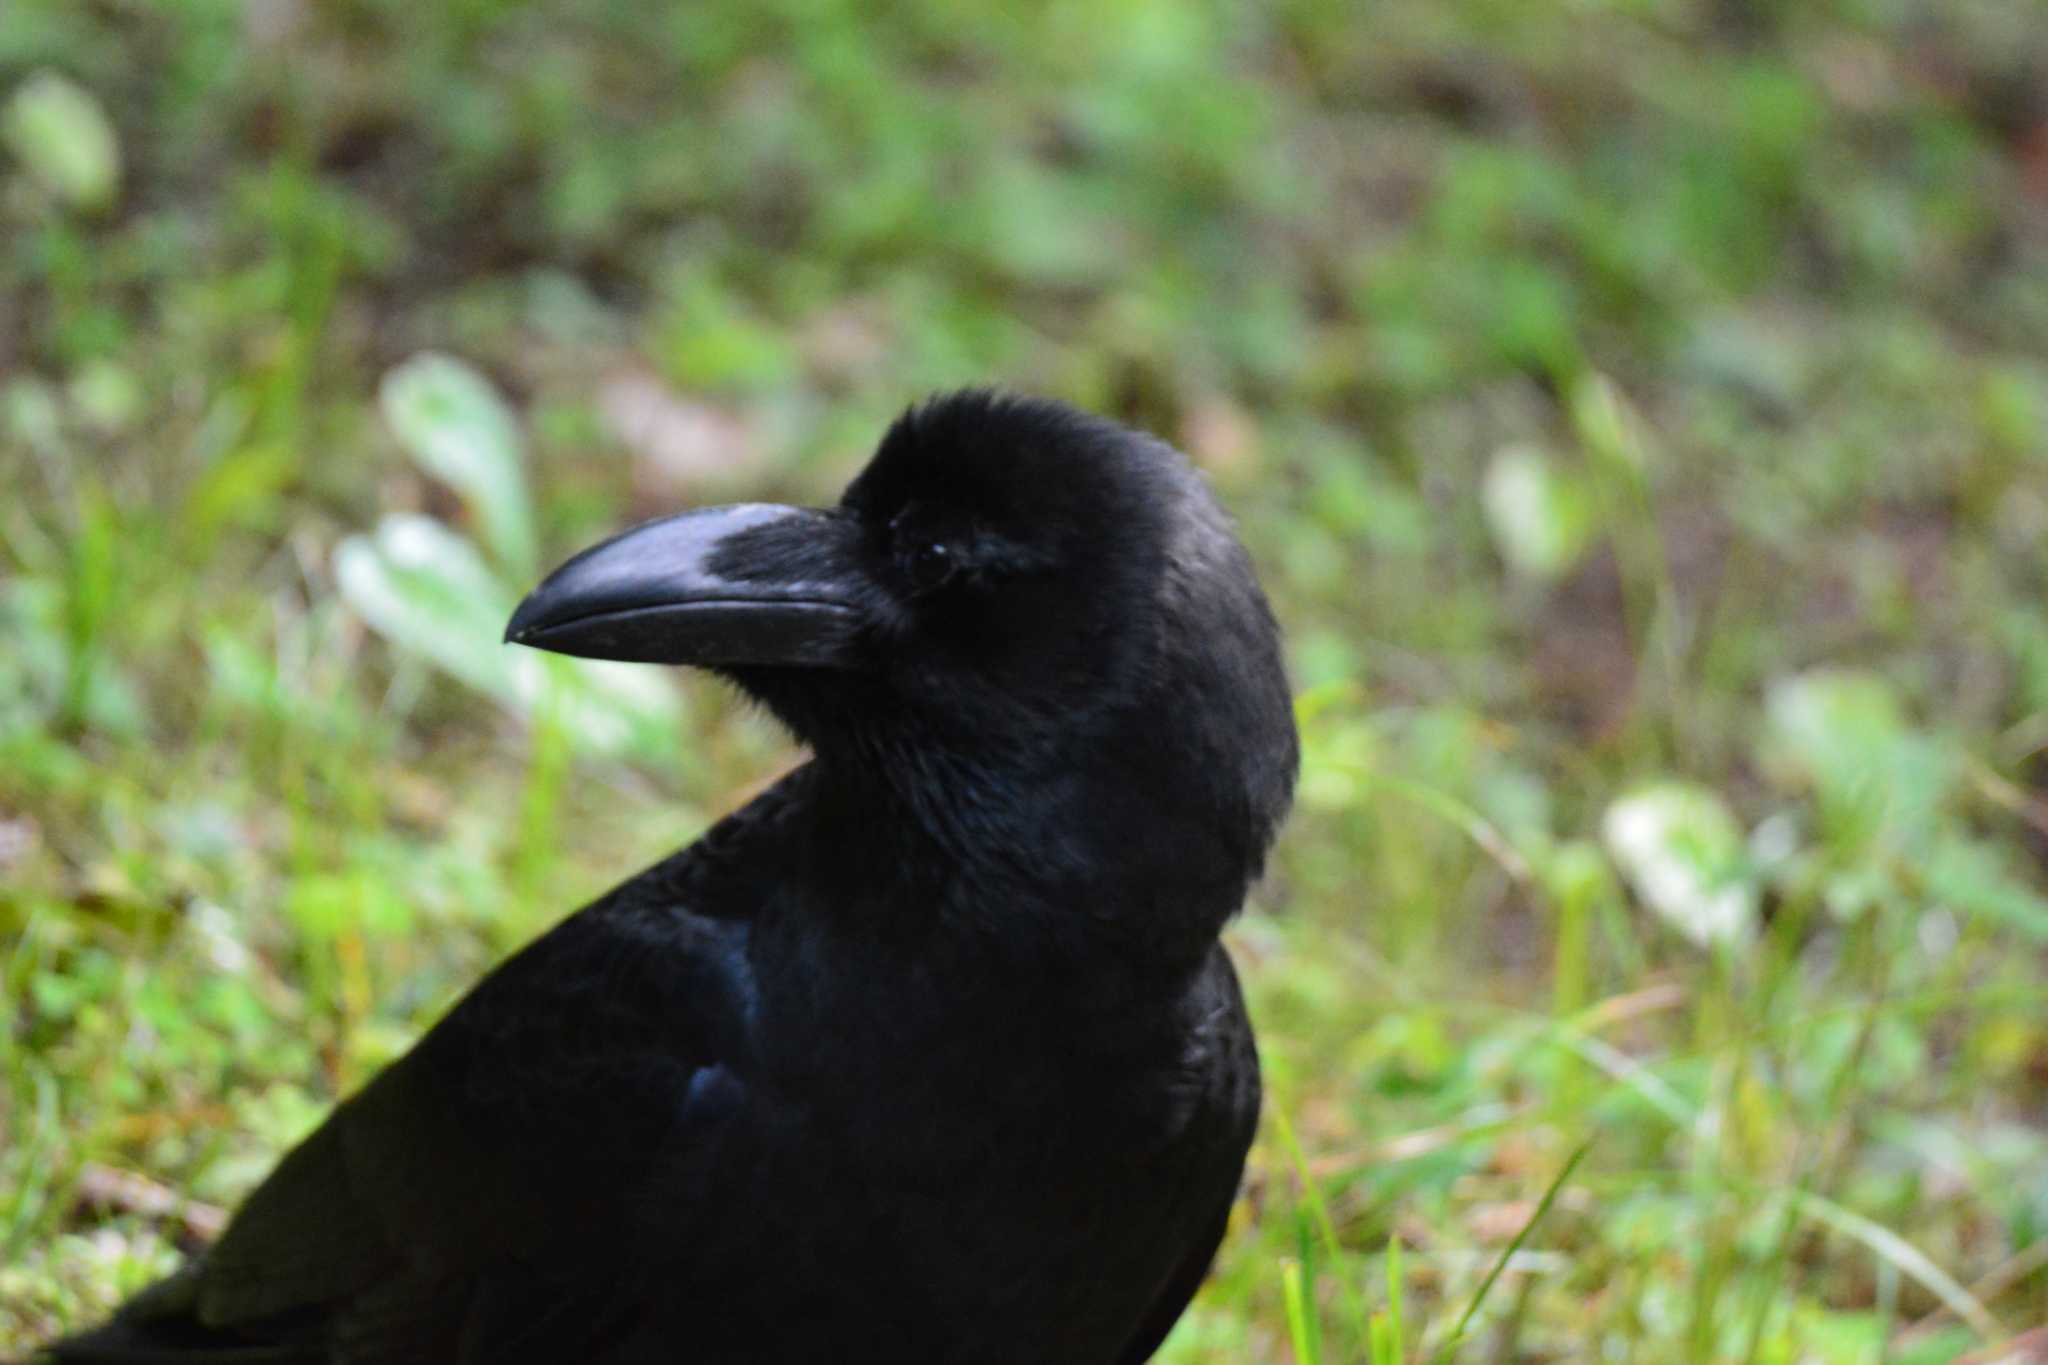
x: 751, y: 584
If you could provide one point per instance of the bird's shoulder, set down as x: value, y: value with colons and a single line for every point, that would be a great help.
x: 623, y: 1002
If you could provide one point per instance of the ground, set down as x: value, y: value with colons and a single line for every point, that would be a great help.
x: 1638, y: 410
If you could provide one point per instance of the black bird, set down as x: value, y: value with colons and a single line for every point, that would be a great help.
x: 929, y: 1053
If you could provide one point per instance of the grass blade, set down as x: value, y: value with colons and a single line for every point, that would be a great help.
x: 1486, y: 1286
x: 1896, y: 1251
x: 1300, y: 1314
x: 1326, y: 1227
x: 1393, y: 1315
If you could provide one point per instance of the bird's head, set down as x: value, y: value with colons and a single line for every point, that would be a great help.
x: 1016, y: 609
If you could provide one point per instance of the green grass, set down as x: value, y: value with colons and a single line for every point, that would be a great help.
x: 1637, y: 409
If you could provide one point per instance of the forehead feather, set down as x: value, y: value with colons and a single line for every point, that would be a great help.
x: 1025, y: 462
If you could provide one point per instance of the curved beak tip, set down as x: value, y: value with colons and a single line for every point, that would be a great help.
x: 523, y: 625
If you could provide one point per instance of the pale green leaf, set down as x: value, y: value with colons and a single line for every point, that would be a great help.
x: 64, y: 139
x: 1845, y: 734
x: 1540, y: 515
x: 457, y: 429
x: 1686, y: 859
x: 428, y: 591
x: 1971, y: 876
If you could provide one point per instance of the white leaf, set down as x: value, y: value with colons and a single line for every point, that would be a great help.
x: 1683, y: 853
x: 458, y: 430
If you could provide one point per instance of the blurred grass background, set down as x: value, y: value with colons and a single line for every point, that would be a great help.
x: 1638, y: 410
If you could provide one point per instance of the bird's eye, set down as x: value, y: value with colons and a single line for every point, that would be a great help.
x: 931, y: 564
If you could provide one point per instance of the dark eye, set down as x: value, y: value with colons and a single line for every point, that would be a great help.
x: 931, y: 564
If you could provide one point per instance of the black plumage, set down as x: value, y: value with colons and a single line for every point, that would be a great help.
x: 929, y: 1053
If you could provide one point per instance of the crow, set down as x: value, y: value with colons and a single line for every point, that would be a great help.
x: 928, y: 1053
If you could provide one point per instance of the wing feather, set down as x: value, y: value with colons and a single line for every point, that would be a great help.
x: 427, y: 1219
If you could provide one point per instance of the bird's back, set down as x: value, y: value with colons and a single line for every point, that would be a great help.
x: 597, y: 1155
